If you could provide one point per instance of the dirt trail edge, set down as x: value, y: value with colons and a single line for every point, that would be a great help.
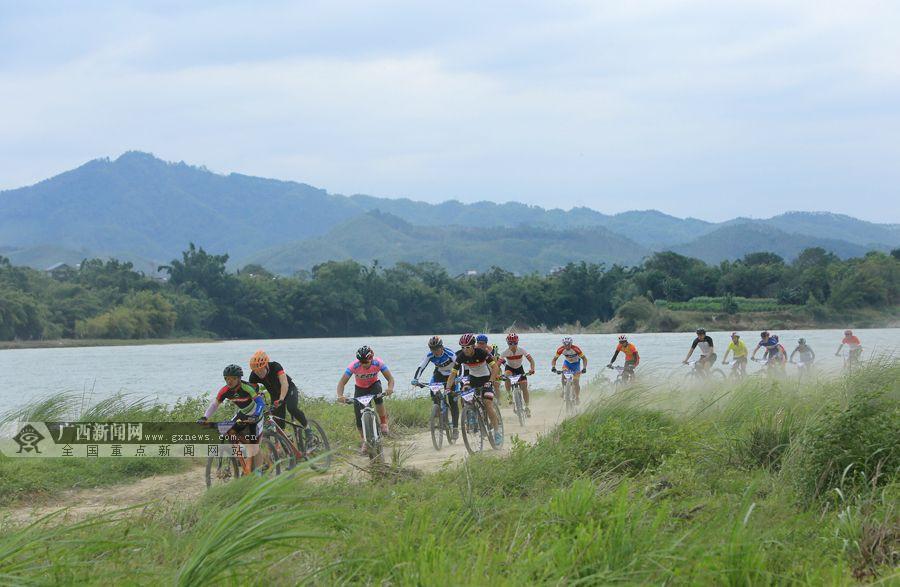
x: 416, y: 452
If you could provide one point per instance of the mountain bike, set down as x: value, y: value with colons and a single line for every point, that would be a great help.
x: 475, y: 422
x: 568, y: 390
x: 698, y: 373
x: 517, y: 396
x: 439, y: 421
x: 735, y: 373
x: 851, y: 359
x: 773, y: 367
x: 370, y: 429
x: 241, y: 455
x: 804, y: 368
x: 623, y: 377
x: 316, y: 449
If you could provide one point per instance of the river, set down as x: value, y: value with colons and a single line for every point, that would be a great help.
x: 167, y: 372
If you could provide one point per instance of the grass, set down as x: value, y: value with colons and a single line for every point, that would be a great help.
x: 708, y: 486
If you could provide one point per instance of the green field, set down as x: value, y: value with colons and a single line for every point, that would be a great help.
x: 766, y: 482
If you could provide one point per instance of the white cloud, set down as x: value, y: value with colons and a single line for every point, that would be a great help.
x: 695, y: 107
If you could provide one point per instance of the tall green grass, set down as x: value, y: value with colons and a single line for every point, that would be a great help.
x: 714, y: 486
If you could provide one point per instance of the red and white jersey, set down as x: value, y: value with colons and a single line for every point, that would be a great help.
x: 514, y: 358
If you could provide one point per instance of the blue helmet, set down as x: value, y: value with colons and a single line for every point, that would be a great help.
x: 481, y: 338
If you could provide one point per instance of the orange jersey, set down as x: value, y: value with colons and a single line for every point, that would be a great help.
x: 629, y: 350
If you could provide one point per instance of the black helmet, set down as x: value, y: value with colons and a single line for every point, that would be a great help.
x: 764, y: 334
x: 801, y: 341
x: 701, y: 331
x: 365, y: 353
x: 435, y: 342
x: 233, y: 371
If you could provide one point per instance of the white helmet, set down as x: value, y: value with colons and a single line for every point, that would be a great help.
x: 567, y: 341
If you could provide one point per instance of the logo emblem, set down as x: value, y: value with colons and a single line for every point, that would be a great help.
x: 28, y: 439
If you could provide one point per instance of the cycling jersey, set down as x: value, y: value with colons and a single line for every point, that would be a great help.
x: 739, y: 350
x: 514, y: 359
x: 705, y: 344
x: 571, y: 355
x: 476, y: 364
x: 852, y: 342
x: 629, y: 350
x: 443, y: 363
x: 270, y: 381
x: 805, y: 352
x: 366, y: 375
x: 248, y: 401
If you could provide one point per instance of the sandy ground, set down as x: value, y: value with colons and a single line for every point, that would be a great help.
x: 416, y: 452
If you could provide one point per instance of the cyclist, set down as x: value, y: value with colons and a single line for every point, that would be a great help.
x: 442, y: 359
x: 854, y: 347
x: 632, y: 358
x: 482, y: 369
x: 572, y: 362
x: 365, y: 370
x: 775, y: 354
x: 807, y: 355
x: 246, y: 423
x: 707, y: 351
x: 481, y: 342
x: 511, y: 358
x: 739, y: 351
x: 282, y: 391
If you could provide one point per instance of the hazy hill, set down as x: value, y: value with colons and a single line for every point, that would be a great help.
x: 736, y: 240
x: 142, y: 209
x: 387, y: 238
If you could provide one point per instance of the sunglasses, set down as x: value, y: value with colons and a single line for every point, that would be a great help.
x: 467, y: 346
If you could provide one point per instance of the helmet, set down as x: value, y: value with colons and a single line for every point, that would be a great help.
x: 467, y: 339
x: 567, y: 341
x: 735, y: 335
x: 435, y: 342
x: 764, y: 334
x: 481, y: 338
x: 233, y: 371
x: 701, y: 331
x: 512, y: 338
x: 623, y: 339
x: 801, y: 341
x: 364, y: 353
x: 848, y: 332
x: 259, y: 360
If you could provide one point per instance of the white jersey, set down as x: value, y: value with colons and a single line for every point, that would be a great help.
x: 515, y: 359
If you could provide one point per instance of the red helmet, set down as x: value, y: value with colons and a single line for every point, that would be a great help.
x: 467, y: 339
x: 512, y: 338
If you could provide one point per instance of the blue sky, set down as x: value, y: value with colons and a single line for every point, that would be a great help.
x: 697, y: 108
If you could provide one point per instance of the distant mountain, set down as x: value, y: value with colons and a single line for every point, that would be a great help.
x: 145, y: 210
x: 736, y: 240
x: 389, y: 239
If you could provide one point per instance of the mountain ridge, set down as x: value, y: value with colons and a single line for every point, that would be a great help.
x: 138, y: 202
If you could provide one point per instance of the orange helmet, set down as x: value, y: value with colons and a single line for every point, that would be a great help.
x: 259, y: 360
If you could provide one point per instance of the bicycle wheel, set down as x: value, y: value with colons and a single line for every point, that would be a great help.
x: 275, y: 455
x: 435, y: 423
x: 717, y: 374
x: 473, y: 434
x: 519, y: 404
x: 445, y: 422
x: 221, y: 470
x: 317, y: 450
x: 370, y: 431
x: 570, y: 400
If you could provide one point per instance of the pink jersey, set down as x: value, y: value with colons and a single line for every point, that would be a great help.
x: 368, y: 375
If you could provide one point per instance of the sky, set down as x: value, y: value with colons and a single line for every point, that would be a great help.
x: 696, y: 108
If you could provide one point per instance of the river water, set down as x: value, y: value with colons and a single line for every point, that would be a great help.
x: 167, y: 372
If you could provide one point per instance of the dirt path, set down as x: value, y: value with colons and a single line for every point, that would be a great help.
x: 416, y: 452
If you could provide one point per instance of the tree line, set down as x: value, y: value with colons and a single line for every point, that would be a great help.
x: 200, y: 297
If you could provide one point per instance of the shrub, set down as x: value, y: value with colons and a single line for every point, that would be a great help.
x: 848, y: 447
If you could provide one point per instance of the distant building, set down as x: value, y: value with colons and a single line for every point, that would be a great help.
x: 469, y: 273
x: 61, y: 270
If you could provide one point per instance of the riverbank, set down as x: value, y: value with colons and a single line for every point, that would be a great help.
x: 90, y: 342
x: 766, y: 482
x: 649, y: 319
